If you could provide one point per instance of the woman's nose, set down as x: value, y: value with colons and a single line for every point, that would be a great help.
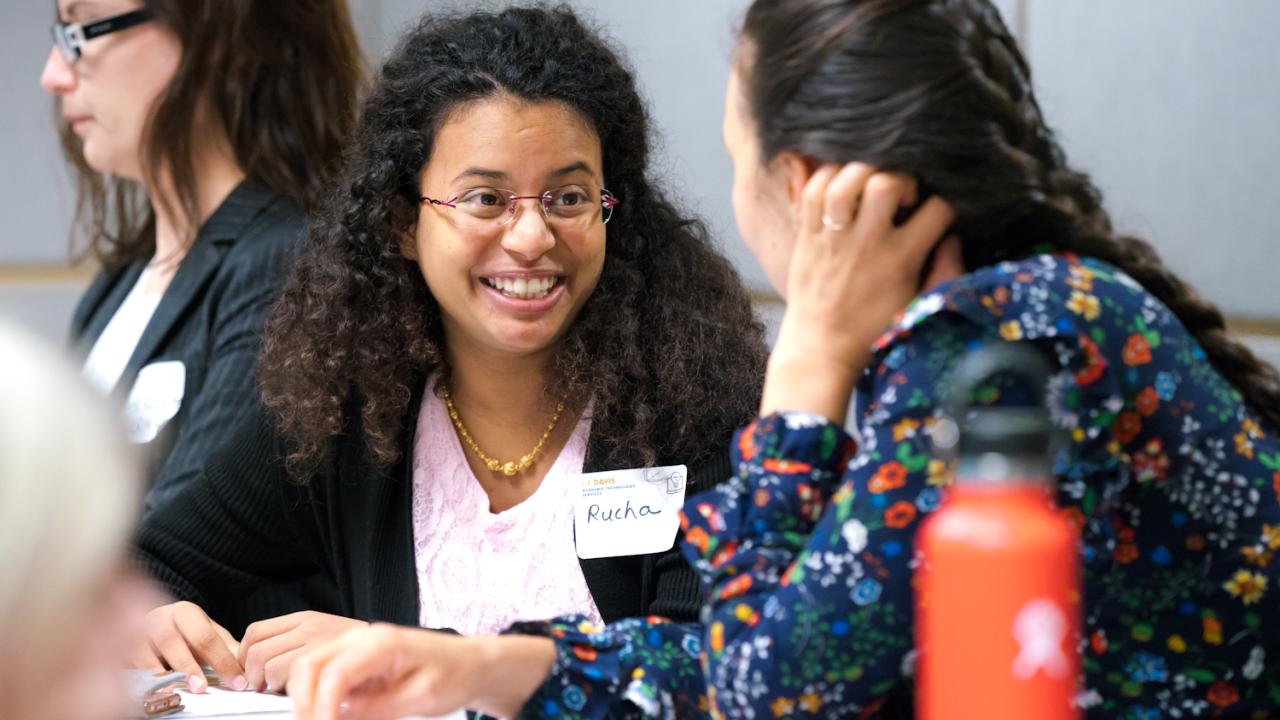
x: 58, y: 77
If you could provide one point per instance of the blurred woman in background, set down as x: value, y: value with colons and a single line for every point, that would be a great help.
x: 69, y: 493
x: 200, y: 133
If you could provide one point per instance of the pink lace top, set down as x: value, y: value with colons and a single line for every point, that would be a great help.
x: 479, y: 572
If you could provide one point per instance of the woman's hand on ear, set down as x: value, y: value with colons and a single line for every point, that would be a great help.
x: 852, y: 270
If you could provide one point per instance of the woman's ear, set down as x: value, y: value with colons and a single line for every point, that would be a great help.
x: 404, y: 225
x: 795, y: 170
x: 409, y: 242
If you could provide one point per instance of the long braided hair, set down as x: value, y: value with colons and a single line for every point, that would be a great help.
x: 938, y: 89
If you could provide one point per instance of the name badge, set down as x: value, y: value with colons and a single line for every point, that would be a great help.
x: 628, y: 512
x: 154, y: 400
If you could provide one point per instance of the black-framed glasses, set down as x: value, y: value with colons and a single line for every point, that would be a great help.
x: 70, y: 37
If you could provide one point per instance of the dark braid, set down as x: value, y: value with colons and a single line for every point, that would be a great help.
x: 938, y: 89
x: 1077, y: 196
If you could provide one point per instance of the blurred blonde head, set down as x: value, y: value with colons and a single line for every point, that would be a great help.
x: 68, y: 497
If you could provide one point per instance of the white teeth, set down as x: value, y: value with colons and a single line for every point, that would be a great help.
x: 523, y: 288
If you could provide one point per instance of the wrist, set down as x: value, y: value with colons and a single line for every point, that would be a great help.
x: 809, y: 382
x: 833, y: 344
x: 512, y: 668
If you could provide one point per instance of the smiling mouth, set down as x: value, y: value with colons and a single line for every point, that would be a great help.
x: 523, y: 288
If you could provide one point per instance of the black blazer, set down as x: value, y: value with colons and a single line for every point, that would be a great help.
x: 244, y: 526
x: 210, y: 318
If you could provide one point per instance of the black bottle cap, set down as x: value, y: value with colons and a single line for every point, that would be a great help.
x: 1008, y: 430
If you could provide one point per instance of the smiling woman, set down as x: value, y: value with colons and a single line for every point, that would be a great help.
x: 519, y: 292
x: 462, y: 336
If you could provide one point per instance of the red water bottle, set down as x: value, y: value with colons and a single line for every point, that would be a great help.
x: 998, y: 585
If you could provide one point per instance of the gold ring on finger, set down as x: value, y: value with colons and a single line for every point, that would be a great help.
x: 832, y: 225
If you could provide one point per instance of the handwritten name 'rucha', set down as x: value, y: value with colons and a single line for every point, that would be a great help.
x: 624, y: 512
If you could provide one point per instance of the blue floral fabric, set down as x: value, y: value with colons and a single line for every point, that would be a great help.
x: 808, y: 551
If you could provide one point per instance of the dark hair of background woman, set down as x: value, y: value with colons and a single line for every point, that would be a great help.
x: 282, y: 78
x: 667, y: 346
x: 938, y: 89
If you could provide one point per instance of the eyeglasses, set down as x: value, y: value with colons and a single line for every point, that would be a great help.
x: 70, y: 37
x: 572, y: 206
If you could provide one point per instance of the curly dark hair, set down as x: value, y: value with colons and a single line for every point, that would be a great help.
x: 667, y: 346
x: 938, y: 89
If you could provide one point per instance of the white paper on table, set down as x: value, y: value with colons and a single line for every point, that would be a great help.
x: 219, y: 703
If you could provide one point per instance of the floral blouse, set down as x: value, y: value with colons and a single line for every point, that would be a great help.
x: 807, y: 552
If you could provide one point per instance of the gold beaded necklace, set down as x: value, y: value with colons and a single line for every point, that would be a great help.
x: 509, y: 468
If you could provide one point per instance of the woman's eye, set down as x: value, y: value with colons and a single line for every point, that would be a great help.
x: 483, y: 197
x: 571, y: 198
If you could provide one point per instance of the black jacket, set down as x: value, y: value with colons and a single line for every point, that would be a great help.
x: 210, y: 319
x: 244, y: 526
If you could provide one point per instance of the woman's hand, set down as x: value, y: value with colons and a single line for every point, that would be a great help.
x: 270, y: 647
x: 386, y: 671
x: 181, y: 637
x: 851, y: 271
